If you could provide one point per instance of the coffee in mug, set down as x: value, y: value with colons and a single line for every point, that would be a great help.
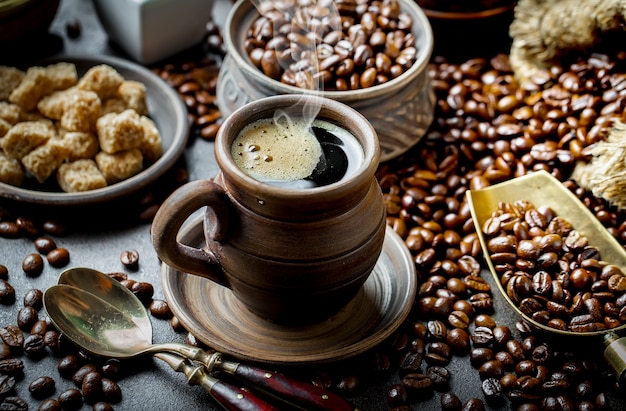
x: 292, y: 153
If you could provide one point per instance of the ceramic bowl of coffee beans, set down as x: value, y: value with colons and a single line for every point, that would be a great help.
x: 371, y: 55
x: 552, y: 259
x: 467, y: 28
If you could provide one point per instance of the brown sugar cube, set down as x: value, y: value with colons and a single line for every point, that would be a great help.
x: 5, y: 126
x: 52, y: 106
x: 41, y: 81
x: 80, y: 175
x: 80, y: 144
x: 23, y: 137
x: 11, y: 171
x: 81, y: 111
x: 10, y: 77
x: 119, y: 166
x: 102, y: 79
x: 119, y: 132
x: 10, y: 112
x: 151, y: 146
x: 133, y: 93
x: 62, y: 75
x: 43, y: 161
x: 113, y: 105
x: 33, y: 86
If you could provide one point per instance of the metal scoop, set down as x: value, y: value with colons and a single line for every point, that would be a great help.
x: 102, y: 316
x: 542, y: 189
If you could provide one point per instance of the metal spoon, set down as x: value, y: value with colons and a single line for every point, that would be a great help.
x: 100, y: 328
x: 282, y: 387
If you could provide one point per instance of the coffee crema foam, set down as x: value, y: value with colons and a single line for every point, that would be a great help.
x: 281, y: 150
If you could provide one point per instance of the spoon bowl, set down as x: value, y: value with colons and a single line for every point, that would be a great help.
x: 110, y: 290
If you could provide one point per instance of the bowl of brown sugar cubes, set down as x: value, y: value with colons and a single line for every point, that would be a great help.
x: 81, y: 130
x: 369, y: 54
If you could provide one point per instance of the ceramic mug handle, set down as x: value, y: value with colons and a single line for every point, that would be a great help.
x: 173, y: 213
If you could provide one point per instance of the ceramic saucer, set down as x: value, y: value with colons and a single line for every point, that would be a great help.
x: 214, y: 316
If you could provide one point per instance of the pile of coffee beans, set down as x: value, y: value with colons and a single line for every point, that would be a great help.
x: 551, y: 272
x: 195, y: 81
x: 356, y: 45
x: 487, y: 129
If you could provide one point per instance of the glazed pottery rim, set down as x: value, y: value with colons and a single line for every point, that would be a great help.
x: 418, y: 66
x: 267, y: 105
x: 469, y: 15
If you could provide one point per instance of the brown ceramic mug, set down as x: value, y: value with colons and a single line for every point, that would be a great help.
x: 290, y: 255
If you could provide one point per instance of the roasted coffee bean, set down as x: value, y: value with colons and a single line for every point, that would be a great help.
x: 52, y: 339
x: 4, y: 272
x: 102, y: 406
x: 348, y: 384
x: 71, y: 399
x: 79, y: 374
x: 34, y: 298
x: 416, y: 383
x: 11, y: 366
x: 144, y: 291
x: 91, y: 387
x: 59, y: 257
x: 14, y: 403
x: 111, y: 391
x: 450, y: 402
x: 5, y: 350
x: 50, y: 404
x: 411, y: 362
x: 396, y: 394
x: 44, y: 244
x: 55, y: 228
x: 491, y: 369
x: 7, y: 385
x: 177, y: 325
x: 130, y: 259
x: 492, y: 391
x: 26, y: 317
x: 7, y: 293
x: 111, y: 369
x: 12, y: 336
x: 42, y: 387
x: 34, y: 345
x: 33, y: 265
x: 160, y: 309
x: 473, y: 404
x: 459, y: 341
x: 440, y: 377
x: 9, y: 229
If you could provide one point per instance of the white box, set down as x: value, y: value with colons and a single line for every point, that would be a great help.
x: 151, y: 30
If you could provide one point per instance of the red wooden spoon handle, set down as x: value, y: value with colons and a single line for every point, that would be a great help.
x: 300, y: 393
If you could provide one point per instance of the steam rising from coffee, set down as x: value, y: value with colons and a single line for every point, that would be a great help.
x: 309, y: 155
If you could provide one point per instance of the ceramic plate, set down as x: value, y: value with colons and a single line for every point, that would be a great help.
x: 165, y: 108
x: 215, y: 317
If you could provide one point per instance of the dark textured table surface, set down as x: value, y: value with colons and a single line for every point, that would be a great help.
x: 101, y: 234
